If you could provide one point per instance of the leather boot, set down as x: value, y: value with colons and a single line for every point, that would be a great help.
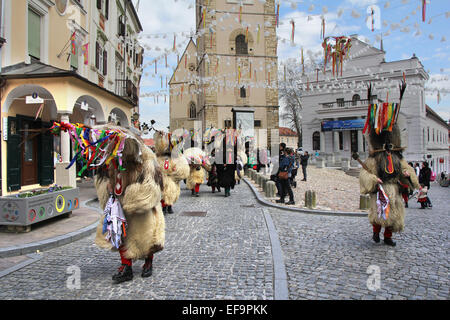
x: 147, y: 268
x: 125, y: 273
x: 389, y: 242
x: 170, y: 210
x: 280, y: 201
x: 376, y: 237
x: 164, y: 210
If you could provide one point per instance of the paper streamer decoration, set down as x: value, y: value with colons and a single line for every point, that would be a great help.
x: 424, y: 8
x: 303, y: 63
x: 322, y: 34
x: 293, y: 32
x: 174, y: 42
x: 93, y: 147
x: 240, y: 13
x: 277, y: 16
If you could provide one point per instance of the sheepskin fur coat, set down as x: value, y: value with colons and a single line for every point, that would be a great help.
x: 197, y: 173
x: 173, y: 167
x: 142, y: 183
x: 376, y: 165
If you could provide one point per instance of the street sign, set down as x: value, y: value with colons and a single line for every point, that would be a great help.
x: 34, y: 99
x: 84, y: 106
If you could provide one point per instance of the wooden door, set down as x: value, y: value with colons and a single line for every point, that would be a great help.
x: 29, y: 148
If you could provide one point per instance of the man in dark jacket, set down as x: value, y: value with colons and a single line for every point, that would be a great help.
x: 425, y: 175
x: 304, y: 162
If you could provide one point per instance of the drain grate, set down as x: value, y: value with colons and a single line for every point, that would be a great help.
x: 193, y: 213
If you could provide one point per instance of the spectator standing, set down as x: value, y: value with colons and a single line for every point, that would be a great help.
x: 417, y: 168
x: 304, y: 162
x: 286, y: 167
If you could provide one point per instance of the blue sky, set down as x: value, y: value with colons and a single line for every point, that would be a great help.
x: 401, y: 27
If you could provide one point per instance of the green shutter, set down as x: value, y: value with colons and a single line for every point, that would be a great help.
x: 34, y: 34
x: 13, y: 155
x: 46, y: 158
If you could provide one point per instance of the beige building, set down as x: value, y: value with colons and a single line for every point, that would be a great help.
x: 289, y: 137
x: 63, y: 60
x: 227, y: 76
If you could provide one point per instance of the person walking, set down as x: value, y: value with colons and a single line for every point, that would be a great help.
x: 424, y: 178
x: 304, y: 162
x: 296, y: 164
x: 283, y: 177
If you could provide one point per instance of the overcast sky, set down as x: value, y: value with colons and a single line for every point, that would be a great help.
x: 404, y: 34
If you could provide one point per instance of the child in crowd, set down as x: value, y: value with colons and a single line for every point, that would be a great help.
x: 422, y: 197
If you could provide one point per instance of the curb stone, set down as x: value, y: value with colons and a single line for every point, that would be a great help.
x: 307, y: 211
x: 54, y: 242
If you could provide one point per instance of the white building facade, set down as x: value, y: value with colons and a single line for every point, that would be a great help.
x: 335, y: 107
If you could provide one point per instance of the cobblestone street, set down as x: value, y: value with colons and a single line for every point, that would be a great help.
x: 228, y: 255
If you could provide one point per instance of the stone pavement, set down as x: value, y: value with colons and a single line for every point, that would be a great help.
x: 231, y: 253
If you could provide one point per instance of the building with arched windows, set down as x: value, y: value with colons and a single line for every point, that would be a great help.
x: 68, y: 61
x: 335, y: 108
x: 232, y: 64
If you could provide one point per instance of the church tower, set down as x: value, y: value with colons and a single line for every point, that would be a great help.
x: 236, y: 67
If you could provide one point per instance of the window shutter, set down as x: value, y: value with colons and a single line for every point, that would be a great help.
x: 105, y: 62
x: 34, y: 34
x: 14, y: 156
x: 46, y: 161
x: 99, y: 4
x: 106, y: 9
x: 97, y: 55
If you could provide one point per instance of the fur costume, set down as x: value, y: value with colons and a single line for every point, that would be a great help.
x: 197, y: 175
x: 173, y: 169
x: 386, y: 163
x: 242, y: 157
x: 142, y: 183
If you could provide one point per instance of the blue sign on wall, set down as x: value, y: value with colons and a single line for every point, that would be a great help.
x: 339, y: 125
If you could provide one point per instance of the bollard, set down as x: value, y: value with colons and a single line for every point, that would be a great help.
x: 364, y: 202
x: 252, y: 174
x: 345, y: 164
x: 320, y: 163
x: 263, y: 181
x: 310, y: 199
x: 271, y: 189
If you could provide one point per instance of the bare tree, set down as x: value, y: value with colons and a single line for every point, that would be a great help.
x: 290, y: 93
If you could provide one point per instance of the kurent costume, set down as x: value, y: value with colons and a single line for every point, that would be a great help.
x: 226, y: 168
x: 174, y: 168
x: 385, y: 171
x: 197, y: 163
x: 138, y: 189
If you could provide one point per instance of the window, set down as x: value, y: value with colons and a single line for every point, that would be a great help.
x: 341, y: 140
x: 241, y: 45
x: 105, y: 5
x: 372, y: 98
x: 121, y: 26
x: 428, y: 133
x: 433, y: 134
x: 355, y: 99
x: 316, y: 140
x: 257, y: 124
x: 340, y: 102
x: 34, y: 34
x: 227, y: 124
x: 243, y: 92
x: 101, y: 59
x: 192, y: 111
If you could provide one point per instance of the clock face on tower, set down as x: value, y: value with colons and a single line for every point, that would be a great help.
x: 61, y: 6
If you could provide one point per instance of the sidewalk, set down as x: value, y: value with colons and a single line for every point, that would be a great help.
x: 55, y: 232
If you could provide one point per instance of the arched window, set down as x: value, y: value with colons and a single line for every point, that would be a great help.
x: 243, y: 92
x: 241, y: 45
x: 355, y: 99
x: 192, y: 111
x: 316, y: 140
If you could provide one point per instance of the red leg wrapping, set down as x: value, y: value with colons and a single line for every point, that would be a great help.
x: 126, y: 261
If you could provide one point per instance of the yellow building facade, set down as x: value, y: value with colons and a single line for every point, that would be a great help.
x: 68, y: 61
